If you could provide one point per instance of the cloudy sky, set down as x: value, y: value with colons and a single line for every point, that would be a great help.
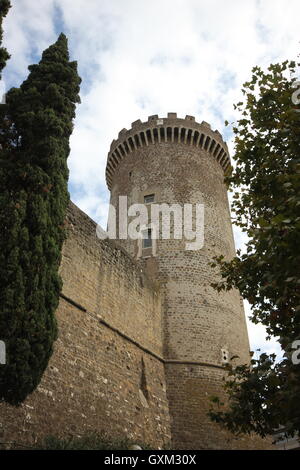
x: 142, y: 57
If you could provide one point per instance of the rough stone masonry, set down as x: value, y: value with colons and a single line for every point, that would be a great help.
x: 143, y: 337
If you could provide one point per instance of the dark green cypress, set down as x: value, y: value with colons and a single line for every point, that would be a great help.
x: 33, y: 202
x: 4, y: 55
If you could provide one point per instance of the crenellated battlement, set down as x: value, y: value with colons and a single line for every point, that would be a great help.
x: 163, y: 130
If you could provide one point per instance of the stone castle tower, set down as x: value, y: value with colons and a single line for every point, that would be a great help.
x: 143, y: 337
x: 178, y: 161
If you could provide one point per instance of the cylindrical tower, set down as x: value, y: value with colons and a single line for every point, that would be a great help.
x: 178, y: 161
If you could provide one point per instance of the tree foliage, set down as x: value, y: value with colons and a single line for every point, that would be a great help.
x: 4, y: 55
x: 36, y: 124
x: 266, y: 205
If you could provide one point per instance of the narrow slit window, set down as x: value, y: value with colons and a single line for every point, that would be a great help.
x: 147, y: 238
x: 149, y: 198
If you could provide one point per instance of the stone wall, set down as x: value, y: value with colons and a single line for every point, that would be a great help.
x: 142, y: 334
x: 178, y: 161
x: 189, y: 387
x: 106, y: 373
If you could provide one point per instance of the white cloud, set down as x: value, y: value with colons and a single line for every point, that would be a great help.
x: 139, y: 58
x: 29, y: 29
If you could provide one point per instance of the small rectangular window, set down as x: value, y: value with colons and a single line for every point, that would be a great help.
x: 147, y: 238
x: 149, y: 198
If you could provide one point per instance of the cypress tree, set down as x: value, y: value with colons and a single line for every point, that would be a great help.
x: 4, y: 56
x: 33, y: 202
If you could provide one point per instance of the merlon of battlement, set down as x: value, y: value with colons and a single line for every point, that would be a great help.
x: 162, y: 130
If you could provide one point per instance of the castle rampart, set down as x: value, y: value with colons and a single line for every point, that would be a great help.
x: 170, y: 129
x: 172, y: 161
x: 143, y: 337
x: 107, y: 371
